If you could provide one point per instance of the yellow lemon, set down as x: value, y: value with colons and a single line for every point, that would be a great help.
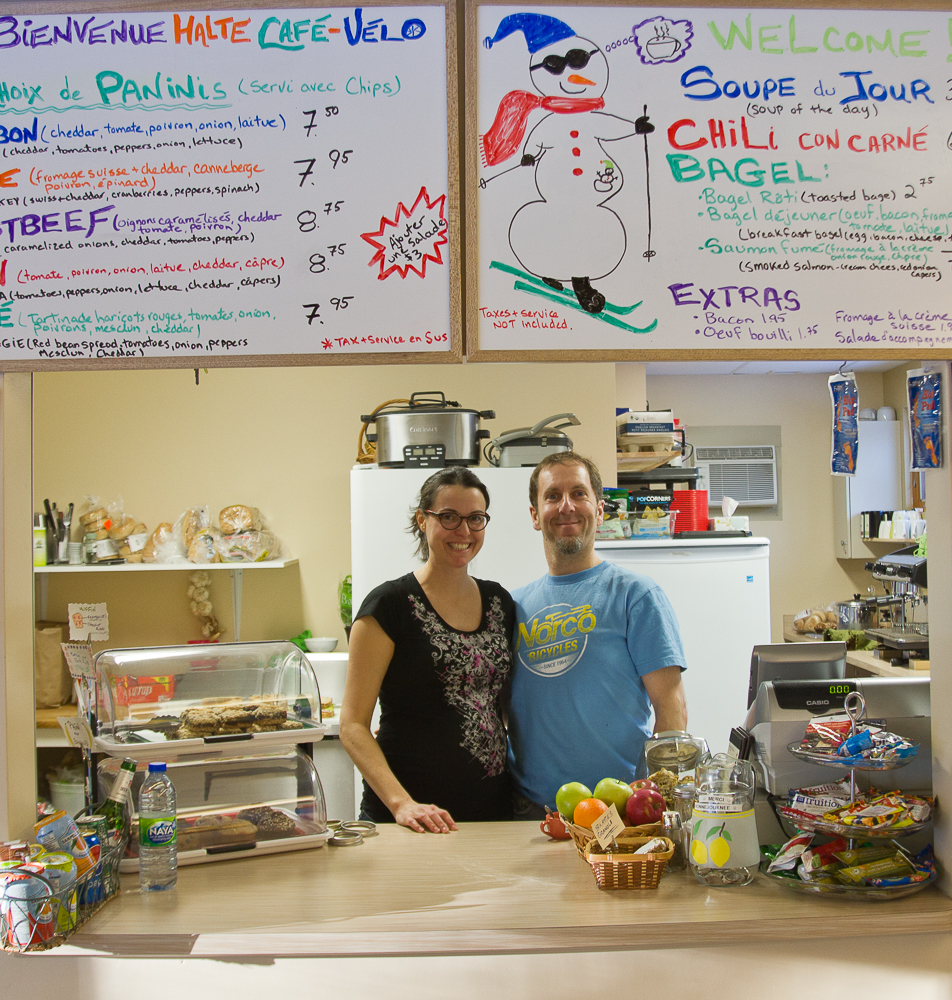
x: 698, y: 852
x: 720, y: 852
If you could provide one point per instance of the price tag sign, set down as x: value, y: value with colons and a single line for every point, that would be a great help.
x: 79, y: 659
x: 77, y: 731
x: 607, y: 827
x: 88, y: 621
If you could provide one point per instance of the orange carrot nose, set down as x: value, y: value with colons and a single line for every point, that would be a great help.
x: 575, y: 78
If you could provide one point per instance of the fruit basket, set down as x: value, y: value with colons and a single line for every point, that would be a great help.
x: 623, y: 869
x: 581, y: 835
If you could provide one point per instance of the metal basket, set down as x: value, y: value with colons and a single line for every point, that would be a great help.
x: 35, y: 916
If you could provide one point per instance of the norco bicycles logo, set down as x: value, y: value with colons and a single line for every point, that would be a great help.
x: 555, y: 639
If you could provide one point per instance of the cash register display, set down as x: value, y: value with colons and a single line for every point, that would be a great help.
x: 788, y: 661
x: 815, y: 697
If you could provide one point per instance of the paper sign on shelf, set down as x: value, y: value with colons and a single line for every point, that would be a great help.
x: 88, y: 621
x: 77, y: 731
x: 79, y: 659
x: 607, y: 827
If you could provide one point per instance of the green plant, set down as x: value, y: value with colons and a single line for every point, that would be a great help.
x: 345, y: 598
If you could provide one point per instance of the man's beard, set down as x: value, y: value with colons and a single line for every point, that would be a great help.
x: 569, y: 546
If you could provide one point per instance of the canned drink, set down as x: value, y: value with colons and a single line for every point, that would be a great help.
x: 61, y: 874
x: 19, y: 851
x: 60, y: 833
x: 96, y: 824
x: 95, y: 846
x: 27, y: 909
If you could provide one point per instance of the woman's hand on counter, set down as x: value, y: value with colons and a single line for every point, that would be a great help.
x: 422, y: 817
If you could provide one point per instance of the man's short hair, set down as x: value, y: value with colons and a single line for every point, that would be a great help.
x: 563, y: 458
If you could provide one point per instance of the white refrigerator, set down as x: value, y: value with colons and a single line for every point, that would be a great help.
x: 720, y: 590
x: 719, y: 587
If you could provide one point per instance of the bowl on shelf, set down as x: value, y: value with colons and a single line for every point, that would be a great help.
x: 322, y: 644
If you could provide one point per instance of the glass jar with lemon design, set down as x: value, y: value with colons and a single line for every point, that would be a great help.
x: 724, y: 846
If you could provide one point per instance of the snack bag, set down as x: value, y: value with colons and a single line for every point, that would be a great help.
x: 249, y: 546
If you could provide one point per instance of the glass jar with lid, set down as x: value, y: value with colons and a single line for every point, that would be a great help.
x: 674, y: 750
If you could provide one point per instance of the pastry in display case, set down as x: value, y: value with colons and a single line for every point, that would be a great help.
x: 157, y: 700
x: 236, y: 804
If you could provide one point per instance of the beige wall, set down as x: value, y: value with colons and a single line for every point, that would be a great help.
x: 17, y: 759
x: 803, y: 567
x: 283, y: 440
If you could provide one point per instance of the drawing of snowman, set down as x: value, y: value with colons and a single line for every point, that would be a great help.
x: 569, y: 235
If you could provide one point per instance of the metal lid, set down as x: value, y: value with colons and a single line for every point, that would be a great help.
x: 362, y: 826
x: 346, y: 838
x: 684, y: 791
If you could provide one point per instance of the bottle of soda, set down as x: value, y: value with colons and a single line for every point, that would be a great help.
x: 157, y: 850
x: 114, y: 808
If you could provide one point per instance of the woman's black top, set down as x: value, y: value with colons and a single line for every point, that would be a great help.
x: 441, y: 726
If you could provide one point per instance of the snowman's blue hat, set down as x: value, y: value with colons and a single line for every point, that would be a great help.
x: 540, y: 30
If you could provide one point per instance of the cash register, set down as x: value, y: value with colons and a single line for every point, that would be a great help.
x: 782, y: 709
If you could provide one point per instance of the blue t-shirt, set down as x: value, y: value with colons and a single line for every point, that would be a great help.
x: 579, y: 710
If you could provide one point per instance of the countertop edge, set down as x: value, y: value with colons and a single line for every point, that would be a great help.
x: 872, y: 918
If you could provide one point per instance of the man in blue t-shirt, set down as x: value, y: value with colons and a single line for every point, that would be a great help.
x: 596, y: 649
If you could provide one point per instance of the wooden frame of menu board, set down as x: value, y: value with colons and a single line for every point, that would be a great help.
x: 784, y: 197
x: 248, y: 184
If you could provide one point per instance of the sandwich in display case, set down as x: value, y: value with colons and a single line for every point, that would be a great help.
x: 235, y: 805
x: 160, y: 700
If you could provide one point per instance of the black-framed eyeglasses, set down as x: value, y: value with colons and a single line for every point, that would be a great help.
x: 574, y: 59
x: 450, y: 520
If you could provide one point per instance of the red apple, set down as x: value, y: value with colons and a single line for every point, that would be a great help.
x: 643, y: 783
x: 646, y: 805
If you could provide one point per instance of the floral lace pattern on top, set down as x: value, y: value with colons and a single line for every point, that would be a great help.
x: 473, y: 667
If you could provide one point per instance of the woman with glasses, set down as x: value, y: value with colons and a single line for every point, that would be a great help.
x: 434, y: 645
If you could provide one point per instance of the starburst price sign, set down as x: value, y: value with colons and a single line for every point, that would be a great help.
x: 411, y: 238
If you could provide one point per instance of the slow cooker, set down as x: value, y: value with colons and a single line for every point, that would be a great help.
x: 429, y: 419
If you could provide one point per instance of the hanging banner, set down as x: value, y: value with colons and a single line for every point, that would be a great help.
x: 924, y: 388
x: 844, y: 452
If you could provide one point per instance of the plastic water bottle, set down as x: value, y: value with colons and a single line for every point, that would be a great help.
x: 158, y: 863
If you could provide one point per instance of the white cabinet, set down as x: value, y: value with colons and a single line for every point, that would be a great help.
x: 877, y: 485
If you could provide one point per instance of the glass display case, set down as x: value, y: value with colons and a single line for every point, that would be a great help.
x: 154, y: 701
x: 235, y: 805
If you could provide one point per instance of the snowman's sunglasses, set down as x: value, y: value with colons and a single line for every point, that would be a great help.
x: 574, y: 59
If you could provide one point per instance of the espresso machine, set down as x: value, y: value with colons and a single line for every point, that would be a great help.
x: 903, y: 575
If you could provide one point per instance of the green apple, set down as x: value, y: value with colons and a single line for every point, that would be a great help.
x: 569, y: 796
x: 612, y: 791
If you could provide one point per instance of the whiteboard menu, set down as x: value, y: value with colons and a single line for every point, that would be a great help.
x: 711, y: 180
x: 225, y: 184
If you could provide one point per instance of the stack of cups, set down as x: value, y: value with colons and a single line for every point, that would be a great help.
x: 691, y: 506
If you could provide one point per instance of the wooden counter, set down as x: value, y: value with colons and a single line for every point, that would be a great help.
x: 863, y: 661
x: 489, y: 888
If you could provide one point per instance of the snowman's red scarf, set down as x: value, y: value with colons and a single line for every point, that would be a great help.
x: 505, y: 135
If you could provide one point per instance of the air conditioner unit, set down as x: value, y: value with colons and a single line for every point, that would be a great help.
x: 748, y: 473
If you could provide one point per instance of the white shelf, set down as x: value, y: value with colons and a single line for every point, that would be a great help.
x: 42, y: 574
x: 159, y: 567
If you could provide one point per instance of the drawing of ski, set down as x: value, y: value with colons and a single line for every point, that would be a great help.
x: 535, y: 286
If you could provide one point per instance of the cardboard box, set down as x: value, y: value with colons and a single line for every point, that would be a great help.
x: 144, y: 690
x: 645, y: 422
